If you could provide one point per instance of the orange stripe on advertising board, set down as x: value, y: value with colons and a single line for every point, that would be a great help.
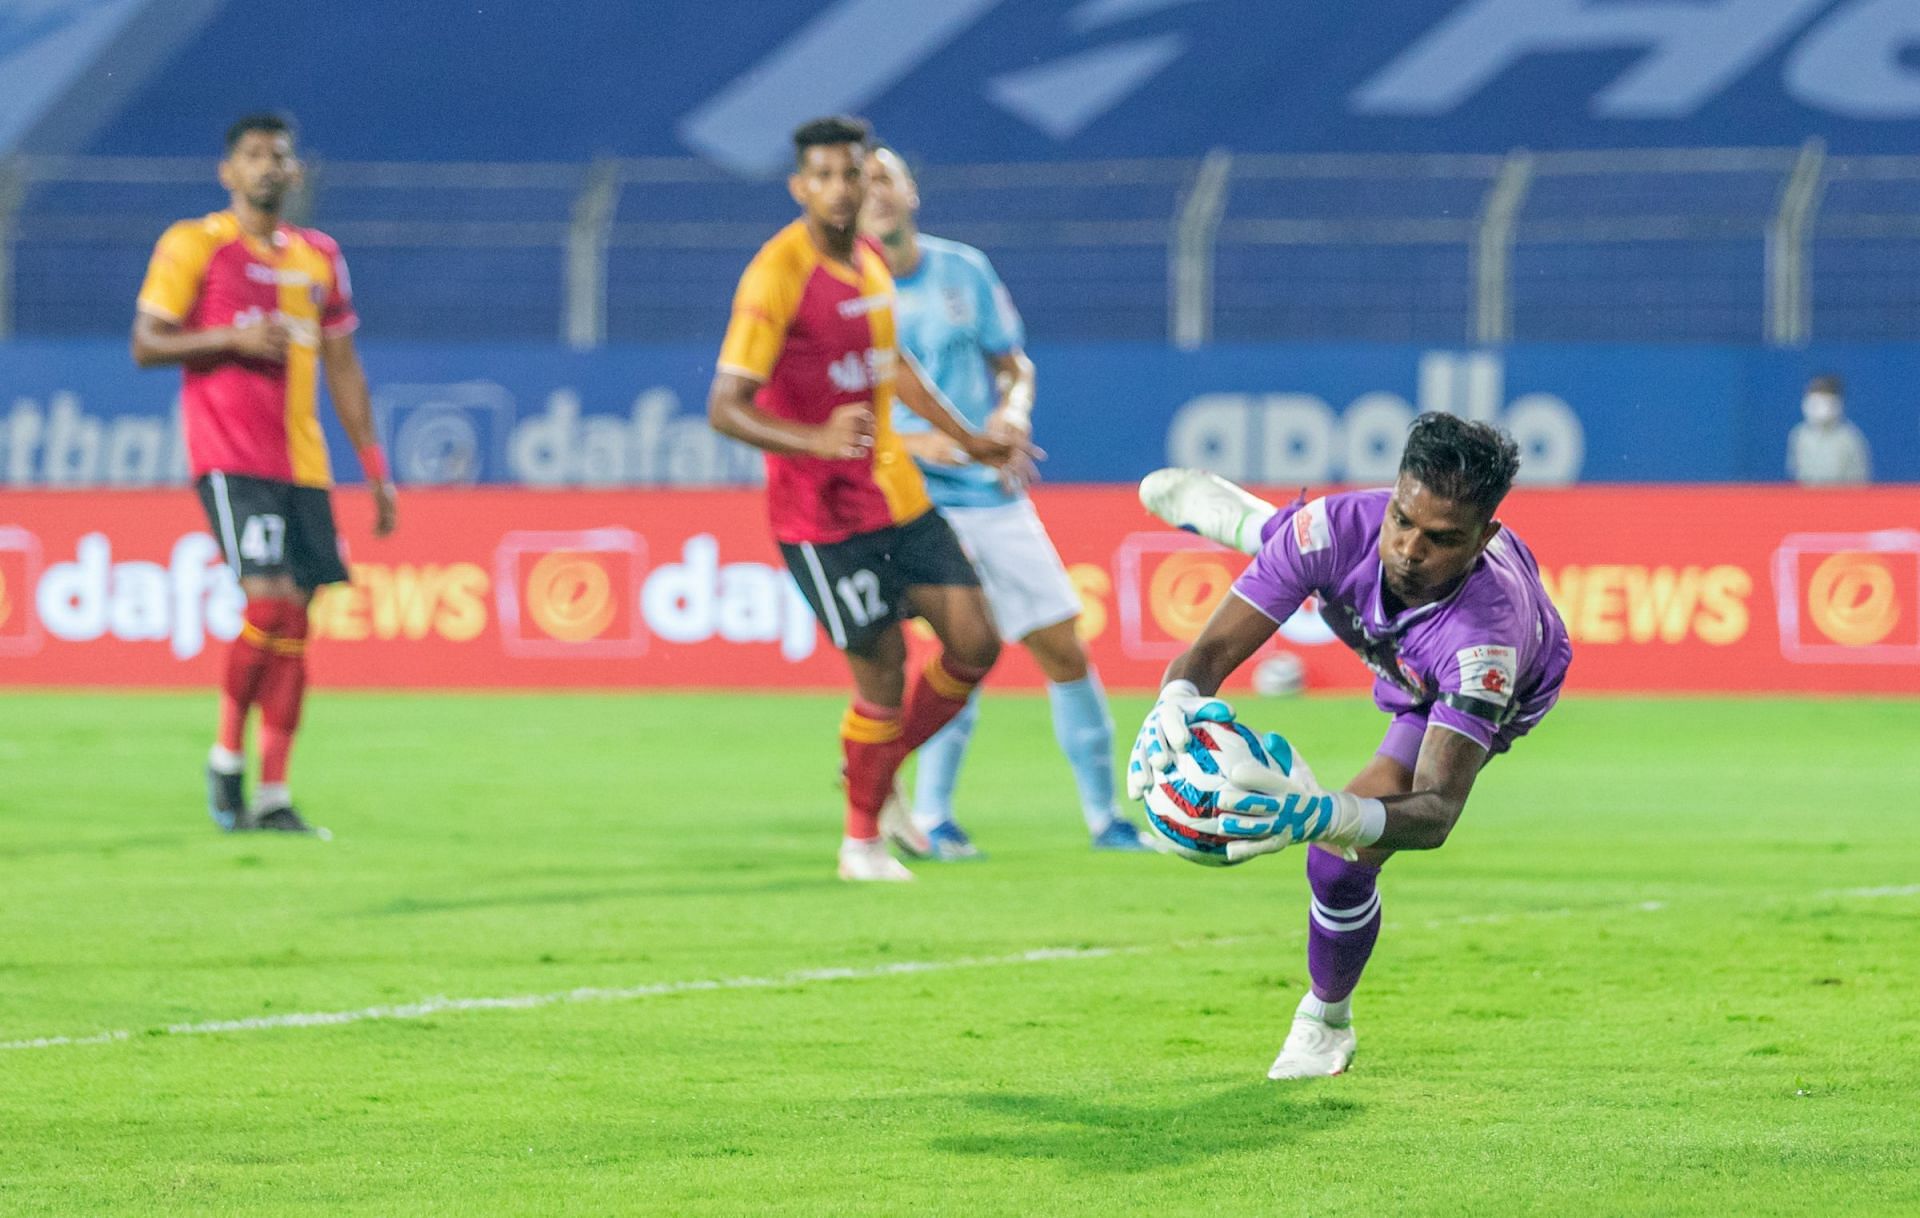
x: 1680, y: 589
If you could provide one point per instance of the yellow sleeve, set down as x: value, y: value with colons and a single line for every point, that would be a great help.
x: 178, y: 268
x: 763, y: 308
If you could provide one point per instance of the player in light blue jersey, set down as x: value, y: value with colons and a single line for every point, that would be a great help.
x: 955, y: 317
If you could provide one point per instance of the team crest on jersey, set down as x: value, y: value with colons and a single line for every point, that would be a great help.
x: 1487, y: 672
x: 1311, y: 531
x: 959, y: 307
x: 1379, y: 652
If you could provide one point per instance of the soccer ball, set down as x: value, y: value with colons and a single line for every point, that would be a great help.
x: 1279, y: 676
x: 1191, y: 785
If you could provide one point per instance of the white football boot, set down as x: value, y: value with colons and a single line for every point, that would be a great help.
x: 869, y: 860
x: 1314, y: 1049
x: 1207, y: 504
x: 896, y: 823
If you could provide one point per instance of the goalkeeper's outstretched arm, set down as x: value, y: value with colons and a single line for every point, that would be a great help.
x: 1419, y: 819
x: 1442, y: 779
x: 1231, y: 636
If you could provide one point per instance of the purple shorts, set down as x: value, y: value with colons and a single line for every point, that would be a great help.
x: 1404, y: 734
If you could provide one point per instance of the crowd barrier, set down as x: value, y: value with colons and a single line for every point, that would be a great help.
x: 1730, y: 589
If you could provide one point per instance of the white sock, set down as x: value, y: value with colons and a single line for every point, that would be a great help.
x: 1333, y: 1014
x: 226, y: 761
x: 270, y: 795
x: 1246, y: 535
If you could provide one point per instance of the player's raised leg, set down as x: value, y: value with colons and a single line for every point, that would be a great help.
x: 1343, y: 924
x: 968, y: 650
x: 1207, y: 504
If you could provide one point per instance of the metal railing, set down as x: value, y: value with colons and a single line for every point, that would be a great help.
x: 1176, y: 246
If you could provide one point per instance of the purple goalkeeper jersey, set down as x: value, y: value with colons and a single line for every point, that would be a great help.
x: 1487, y: 662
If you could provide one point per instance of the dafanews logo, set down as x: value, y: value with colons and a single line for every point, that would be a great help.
x: 406, y: 601
x: 1608, y: 603
x: 1166, y: 586
x: 592, y: 593
x: 571, y: 593
x: 193, y: 596
x: 1849, y: 598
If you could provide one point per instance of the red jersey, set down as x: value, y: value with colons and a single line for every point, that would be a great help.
x: 819, y: 335
x: 253, y: 417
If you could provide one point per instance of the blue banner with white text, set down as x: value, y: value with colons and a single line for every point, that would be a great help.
x: 77, y: 413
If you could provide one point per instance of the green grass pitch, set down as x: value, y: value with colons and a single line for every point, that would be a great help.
x: 1669, y: 964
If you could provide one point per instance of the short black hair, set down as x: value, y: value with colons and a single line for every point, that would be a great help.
x: 833, y: 129
x: 1827, y: 382
x: 272, y: 124
x: 1462, y: 461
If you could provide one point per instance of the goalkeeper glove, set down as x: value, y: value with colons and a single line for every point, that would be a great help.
x: 1165, y: 733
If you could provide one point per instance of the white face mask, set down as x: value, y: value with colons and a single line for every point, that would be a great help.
x: 1820, y: 407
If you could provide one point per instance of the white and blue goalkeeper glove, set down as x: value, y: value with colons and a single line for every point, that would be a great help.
x: 1165, y: 733
x: 1267, y: 811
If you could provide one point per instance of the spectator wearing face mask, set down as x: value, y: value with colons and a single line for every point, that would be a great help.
x: 1826, y: 449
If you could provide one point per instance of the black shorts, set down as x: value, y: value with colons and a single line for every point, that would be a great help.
x: 857, y: 587
x: 273, y: 528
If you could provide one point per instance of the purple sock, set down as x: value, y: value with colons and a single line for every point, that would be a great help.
x: 1344, y: 922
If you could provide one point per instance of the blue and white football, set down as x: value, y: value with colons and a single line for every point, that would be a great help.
x: 1192, y: 784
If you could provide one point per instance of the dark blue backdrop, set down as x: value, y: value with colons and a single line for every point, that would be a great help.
x: 1023, y: 79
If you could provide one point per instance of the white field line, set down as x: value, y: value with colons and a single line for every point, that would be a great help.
x: 660, y: 989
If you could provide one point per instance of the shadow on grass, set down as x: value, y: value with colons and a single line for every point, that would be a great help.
x: 1126, y: 1138
x: 106, y: 846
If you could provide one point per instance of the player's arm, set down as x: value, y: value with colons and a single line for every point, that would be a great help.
x: 846, y: 435
x: 931, y: 447
x: 1231, y: 636
x: 1268, y: 811
x: 347, y: 385
x: 175, y: 276
x: 1013, y: 373
x: 1442, y: 779
x: 917, y: 394
x: 158, y: 341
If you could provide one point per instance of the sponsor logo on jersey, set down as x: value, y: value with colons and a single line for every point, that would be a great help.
x: 860, y: 306
x: 857, y: 371
x: 1488, y: 671
x: 1311, y: 532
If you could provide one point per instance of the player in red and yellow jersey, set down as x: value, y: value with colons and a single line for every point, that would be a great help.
x: 255, y: 310
x: 808, y: 373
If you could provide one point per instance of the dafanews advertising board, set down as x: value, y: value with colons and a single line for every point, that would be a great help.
x: 1663, y: 589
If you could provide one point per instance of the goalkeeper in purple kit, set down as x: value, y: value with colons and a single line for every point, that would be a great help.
x: 1443, y: 603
